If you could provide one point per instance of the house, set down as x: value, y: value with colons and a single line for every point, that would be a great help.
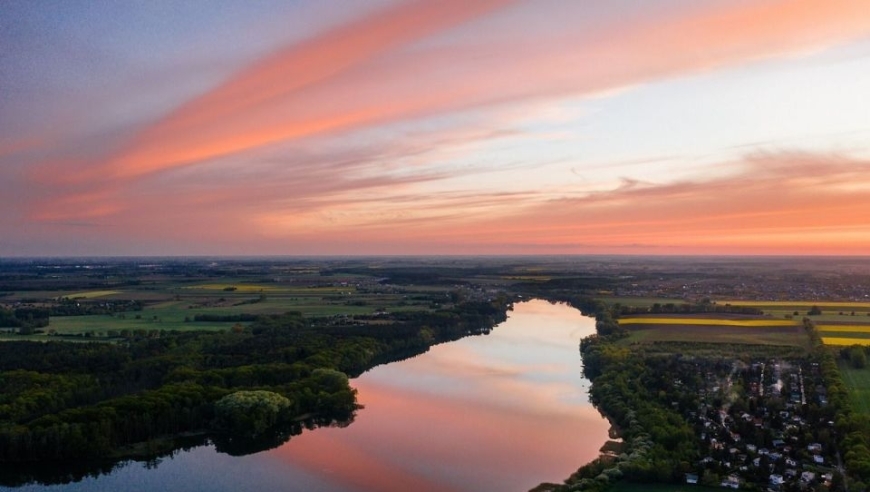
x: 732, y: 481
x: 691, y: 478
x: 776, y: 479
x: 818, y: 459
x: 808, y: 477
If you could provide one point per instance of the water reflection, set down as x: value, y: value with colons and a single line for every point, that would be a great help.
x: 504, y: 411
x: 499, y: 412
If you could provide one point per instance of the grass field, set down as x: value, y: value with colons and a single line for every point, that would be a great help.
x: 858, y: 381
x: 786, y: 336
x: 171, y: 315
x: 73, y: 325
x: 173, y: 306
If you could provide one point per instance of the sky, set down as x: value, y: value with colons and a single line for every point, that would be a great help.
x: 446, y: 127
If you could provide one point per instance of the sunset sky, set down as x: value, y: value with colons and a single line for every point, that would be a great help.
x: 434, y: 127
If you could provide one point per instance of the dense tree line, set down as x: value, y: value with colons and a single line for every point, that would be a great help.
x: 637, y: 393
x: 686, y: 308
x: 853, y: 428
x: 67, y: 401
x: 26, y: 319
x: 73, y: 307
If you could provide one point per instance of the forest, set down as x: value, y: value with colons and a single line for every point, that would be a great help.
x: 63, y: 401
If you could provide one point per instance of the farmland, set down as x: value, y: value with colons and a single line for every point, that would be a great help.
x: 707, y: 321
x: 844, y: 334
x: 189, y: 297
x: 709, y: 328
x: 845, y: 341
x: 840, y: 323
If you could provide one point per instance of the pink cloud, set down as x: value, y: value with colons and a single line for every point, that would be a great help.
x: 401, y: 64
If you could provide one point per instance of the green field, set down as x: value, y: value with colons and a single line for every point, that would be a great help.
x: 832, y: 312
x: 705, y: 321
x: 100, y: 324
x: 714, y: 329
x: 179, y: 314
x: 858, y: 381
x: 794, y: 337
x: 173, y: 303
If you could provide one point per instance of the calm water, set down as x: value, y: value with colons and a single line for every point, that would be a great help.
x: 504, y: 411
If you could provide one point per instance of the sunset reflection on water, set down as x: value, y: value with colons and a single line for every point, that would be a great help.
x: 504, y: 411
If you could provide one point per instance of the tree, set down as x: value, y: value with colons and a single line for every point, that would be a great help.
x: 814, y: 311
x: 250, y: 412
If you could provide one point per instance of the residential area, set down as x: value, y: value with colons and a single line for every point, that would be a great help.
x: 765, y: 426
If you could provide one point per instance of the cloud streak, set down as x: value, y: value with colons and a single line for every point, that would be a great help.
x: 316, y: 138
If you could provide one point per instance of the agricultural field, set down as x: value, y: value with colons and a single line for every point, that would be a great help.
x: 706, y: 321
x: 831, y: 312
x: 180, y: 311
x: 730, y: 329
x: 839, y: 323
x: 136, y: 301
x: 858, y: 381
x: 844, y: 334
x: 92, y: 294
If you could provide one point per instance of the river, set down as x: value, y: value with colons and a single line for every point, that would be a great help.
x: 503, y: 411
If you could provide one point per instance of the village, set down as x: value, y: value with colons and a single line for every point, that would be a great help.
x: 764, y: 425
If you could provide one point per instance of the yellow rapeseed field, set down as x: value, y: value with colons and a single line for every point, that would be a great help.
x: 750, y: 323
x: 845, y: 341
x: 849, y: 328
x: 92, y: 294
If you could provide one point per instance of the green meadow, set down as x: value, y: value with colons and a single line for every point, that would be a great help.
x: 858, y: 381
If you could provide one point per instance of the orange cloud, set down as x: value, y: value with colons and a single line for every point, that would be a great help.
x: 375, y: 72
x: 778, y: 203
